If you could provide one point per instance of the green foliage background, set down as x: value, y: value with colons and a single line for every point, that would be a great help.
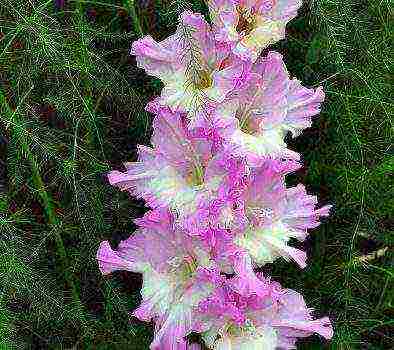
x: 72, y: 108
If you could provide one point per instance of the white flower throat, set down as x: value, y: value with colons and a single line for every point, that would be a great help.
x: 184, y: 267
x: 260, y: 214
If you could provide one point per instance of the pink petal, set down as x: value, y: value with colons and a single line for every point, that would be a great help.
x: 321, y: 326
x: 246, y: 282
x: 110, y: 261
x: 302, y: 104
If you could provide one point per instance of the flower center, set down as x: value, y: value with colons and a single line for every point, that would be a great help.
x: 184, y: 267
x: 189, y: 265
x: 234, y: 330
x: 246, y: 21
x: 204, y: 80
x: 260, y: 215
x: 249, y: 125
x: 194, y: 178
x: 248, y: 335
x: 187, y: 268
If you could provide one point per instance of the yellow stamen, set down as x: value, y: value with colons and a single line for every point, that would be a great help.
x: 246, y: 22
x: 204, y: 80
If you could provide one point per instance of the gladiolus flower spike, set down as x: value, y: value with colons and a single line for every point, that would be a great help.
x: 214, y: 179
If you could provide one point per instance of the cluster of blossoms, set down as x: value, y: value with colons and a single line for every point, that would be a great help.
x: 214, y: 180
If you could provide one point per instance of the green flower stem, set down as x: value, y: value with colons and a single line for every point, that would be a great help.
x: 129, y: 4
x: 46, y: 198
x: 86, y: 96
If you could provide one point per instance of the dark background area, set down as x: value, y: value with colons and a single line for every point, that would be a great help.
x: 72, y: 108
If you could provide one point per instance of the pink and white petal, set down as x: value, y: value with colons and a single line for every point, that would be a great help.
x: 295, y: 319
x: 285, y: 9
x: 179, y: 94
x: 158, y: 288
x: 256, y: 147
x: 265, y: 245
x: 268, y: 99
x: 223, y: 13
x: 166, y: 58
x: 179, y: 321
x: 155, y: 246
x: 267, y: 33
x: 273, y: 72
x: 158, y: 59
x: 109, y: 260
x: 263, y: 338
x: 300, y: 213
x: 295, y: 254
x: 246, y: 282
x: 324, y: 211
x: 268, y: 180
x: 158, y: 220
x: 156, y: 181
x: 158, y: 292
x: 267, y: 186
x: 263, y: 118
x: 277, y: 241
x: 137, y: 172
x: 216, y: 125
x: 302, y: 104
x: 215, y: 170
x: 225, y: 26
x: 145, y: 312
x: 225, y: 81
x: 201, y: 35
x: 320, y: 326
x: 171, y: 138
